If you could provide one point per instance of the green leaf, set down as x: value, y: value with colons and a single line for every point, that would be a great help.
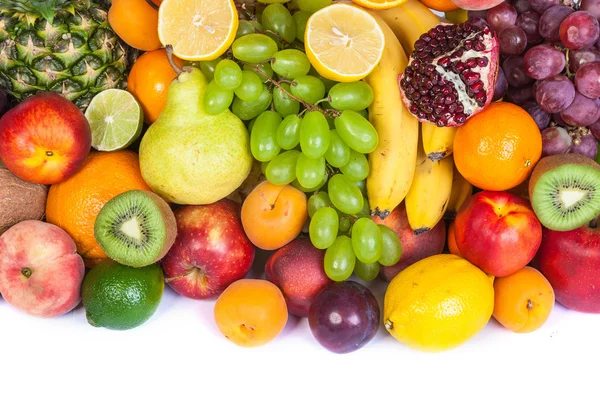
x: 45, y: 8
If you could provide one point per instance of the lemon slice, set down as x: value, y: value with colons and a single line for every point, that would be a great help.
x: 343, y: 42
x: 197, y: 29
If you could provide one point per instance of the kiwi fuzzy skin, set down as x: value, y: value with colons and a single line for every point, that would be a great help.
x: 170, y: 222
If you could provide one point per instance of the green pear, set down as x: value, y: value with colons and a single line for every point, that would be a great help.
x: 189, y: 156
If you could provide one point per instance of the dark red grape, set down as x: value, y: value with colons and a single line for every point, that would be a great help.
x: 541, y: 117
x: 540, y: 6
x: 555, y: 140
x: 579, y: 57
x: 550, y: 21
x: 587, y: 80
x: 544, y: 61
x: 595, y: 129
x: 501, y: 85
x: 529, y: 22
x: 522, y: 6
x: 473, y: 14
x: 344, y: 317
x: 586, y: 146
x: 579, y: 30
x: 555, y: 93
x: 501, y: 16
x: 582, y: 111
x: 519, y: 96
x: 591, y: 6
x: 514, y: 70
x: 512, y: 40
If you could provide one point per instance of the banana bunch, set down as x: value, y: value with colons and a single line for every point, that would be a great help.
x: 437, y: 142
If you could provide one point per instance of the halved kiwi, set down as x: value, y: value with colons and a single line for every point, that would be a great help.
x: 136, y: 228
x: 565, y: 191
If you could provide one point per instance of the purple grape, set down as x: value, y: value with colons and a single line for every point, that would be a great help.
x: 555, y: 140
x: 344, y: 317
x: 586, y: 146
x: 554, y: 94
x: 529, y: 22
x: 501, y: 86
x: 522, y: 6
x: 550, y: 21
x: 501, y: 16
x: 579, y: 30
x: 514, y: 70
x: 582, y: 111
x: 473, y: 14
x: 579, y: 57
x: 559, y: 120
x: 541, y: 117
x: 519, y: 96
x: 595, y: 129
x: 513, y: 41
x: 591, y: 6
x: 544, y: 61
x: 540, y: 6
x: 587, y: 80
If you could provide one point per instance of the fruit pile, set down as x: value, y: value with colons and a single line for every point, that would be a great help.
x: 185, y: 142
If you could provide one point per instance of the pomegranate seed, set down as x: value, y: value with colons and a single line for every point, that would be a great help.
x: 477, y: 86
x: 470, y: 77
x: 482, y: 62
x: 444, y: 61
x: 471, y: 63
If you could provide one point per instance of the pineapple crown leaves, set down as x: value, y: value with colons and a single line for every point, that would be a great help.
x: 31, y: 9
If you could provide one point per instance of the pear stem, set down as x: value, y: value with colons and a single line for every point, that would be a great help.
x: 175, y: 67
x: 151, y: 4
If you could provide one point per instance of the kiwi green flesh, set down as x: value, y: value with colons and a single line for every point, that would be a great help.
x: 132, y: 229
x: 567, y: 197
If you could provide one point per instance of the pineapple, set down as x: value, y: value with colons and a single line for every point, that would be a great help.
x: 64, y: 46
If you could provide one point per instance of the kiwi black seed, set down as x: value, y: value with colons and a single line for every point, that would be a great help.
x: 136, y: 228
x: 565, y: 191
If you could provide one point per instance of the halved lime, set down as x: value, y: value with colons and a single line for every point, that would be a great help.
x: 116, y: 119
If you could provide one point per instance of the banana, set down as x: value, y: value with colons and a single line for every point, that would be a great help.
x: 429, y: 194
x: 437, y: 142
x: 462, y: 190
x: 409, y: 21
x: 392, y: 164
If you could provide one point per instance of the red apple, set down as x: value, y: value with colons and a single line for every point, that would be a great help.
x: 45, y: 139
x: 211, y: 250
x: 498, y: 232
x: 297, y: 269
x: 40, y: 270
x: 414, y: 247
x: 571, y: 262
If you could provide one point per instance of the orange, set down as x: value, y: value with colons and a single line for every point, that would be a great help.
x: 74, y: 204
x: 523, y: 301
x: 378, y: 4
x: 440, y: 5
x: 251, y: 312
x: 497, y: 148
x: 136, y: 22
x: 149, y: 81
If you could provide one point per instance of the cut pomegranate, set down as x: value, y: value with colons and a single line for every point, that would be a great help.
x: 452, y: 73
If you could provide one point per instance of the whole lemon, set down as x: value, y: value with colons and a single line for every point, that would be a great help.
x: 438, y: 303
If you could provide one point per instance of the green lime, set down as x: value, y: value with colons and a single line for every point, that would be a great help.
x: 116, y: 119
x: 119, y: 297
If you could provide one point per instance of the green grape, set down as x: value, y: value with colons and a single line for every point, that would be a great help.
x: 288, y: 133
x: 264, y: 166
x: 308, y: 88
x: 355, y: 96
x: 364, y: 211
x: 246, y: 110
x: 246, y: 27
x: 290, y: 63
x: 251, y: 124
x: 216, y: 99
x: 263, y: 145
x: 357, y: 132
x: 309, y: 171
x: 277, y: 18
x: 284, y: 105
x: 366, y: 240
x: 344, y: 195
x: 323, y: 228
x: 265, y: 68
x: 228, y: 74
x: 316, y: 201
x: 344, y: 223
x: 250, y: 88
x: 362, y: 185
x: 338, y: 152
x: 357, y: 169
x: 314, y: 134
x: 364, y: 113
x: 340, y: 259
x: 298, y: 186
x: 282, y: 169
x: 366, y: 272
x: 313, y: 5
x: 254, y: 48
x: 391, y: 250
x: 301, y: 18
x: 208, y: 68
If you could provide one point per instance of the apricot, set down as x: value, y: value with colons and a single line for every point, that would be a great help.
x: 523, y: 300
x: 136, y: 23
x: 273, y: 215
x: 251, y: 312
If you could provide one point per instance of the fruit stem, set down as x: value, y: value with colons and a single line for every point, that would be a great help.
x: 151, y: 4
x: 27, y: 272
x: 389, y: 325
x: 169, y: 50
x: 244, y: 12
x: 529, y: 304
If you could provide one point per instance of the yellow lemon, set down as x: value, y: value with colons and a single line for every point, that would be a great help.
x: 438, y: 303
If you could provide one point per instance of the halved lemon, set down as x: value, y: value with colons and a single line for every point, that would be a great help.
x: 343, y: 42
x: 197, y: 29
x: 378, y: 4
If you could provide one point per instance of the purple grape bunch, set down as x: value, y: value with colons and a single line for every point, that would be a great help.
x: 550, y: 66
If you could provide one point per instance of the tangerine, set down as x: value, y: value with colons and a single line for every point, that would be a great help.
x: 136, y: 22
